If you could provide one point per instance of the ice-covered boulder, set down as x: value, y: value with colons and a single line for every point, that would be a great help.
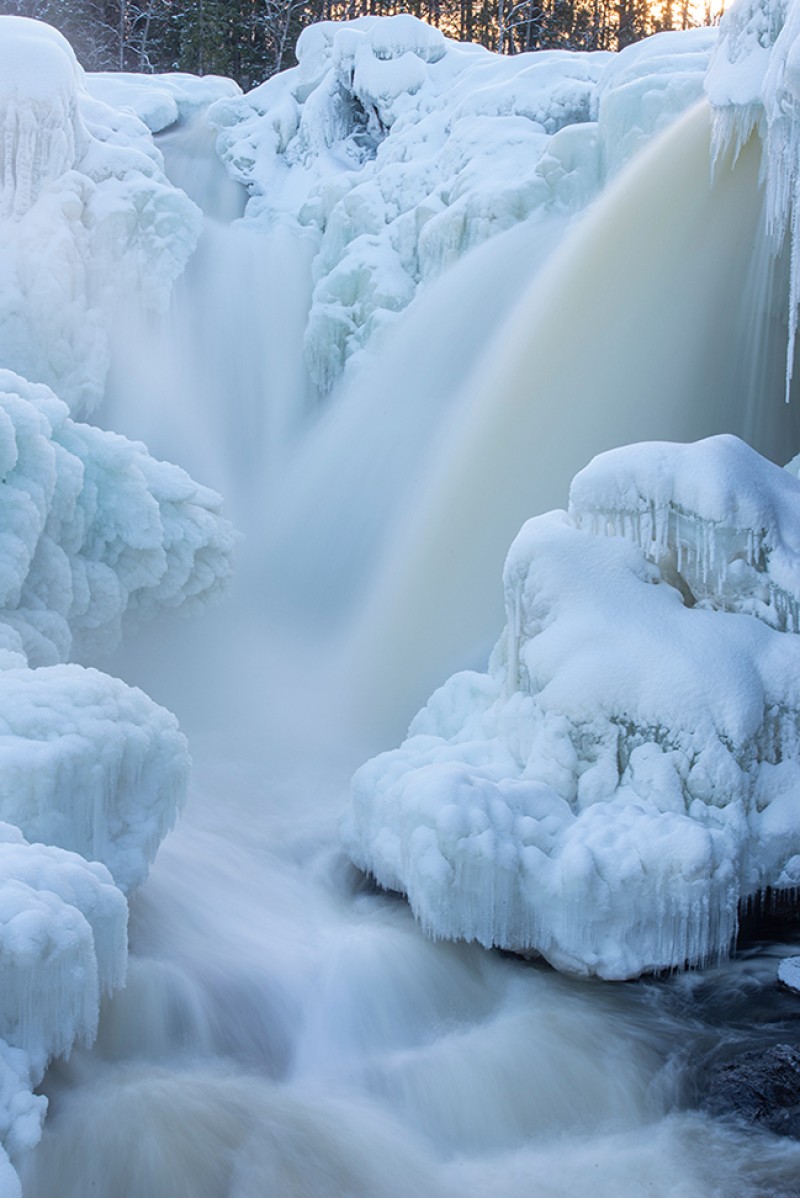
x: 721, y: 522
x: 159, y: 101
x: 628, y: 768
x: 91, y: 765
x: 87, y: 219
x: 63, y: 943
x: 43, y: 134
x: 402, y: 149
x: 93, y: 531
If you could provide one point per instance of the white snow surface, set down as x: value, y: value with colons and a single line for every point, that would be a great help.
x: 401, y: 150
x: 627, y: 769
x: 159, y: 101
x: 789, y: 973
x: 87, y: 218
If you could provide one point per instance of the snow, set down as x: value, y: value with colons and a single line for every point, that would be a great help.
x: 159, y: 101
x: 626, y: 771
x: 94, y: 534
x: 720, y: 521
x: 94, y: 531
x: 401, y: 150
x: 91, y: 765
x: 87, y: 218
x: 789, y: 973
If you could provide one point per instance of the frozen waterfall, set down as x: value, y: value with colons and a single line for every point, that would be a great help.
x: 389, y: 304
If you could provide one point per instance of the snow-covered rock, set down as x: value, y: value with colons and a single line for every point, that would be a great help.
x: 628, y: 769
x: 91, y: 765
x: 789, y: 973
x: 159, y: 101
x: 87, y: 218
x: 92, y: 531
x: 401, y: 149
x: 63, y: 943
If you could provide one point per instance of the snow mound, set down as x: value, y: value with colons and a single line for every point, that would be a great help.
x: 628, y: 768
x: 92, y: 529
x: 87, y: 218
x: 401, y: 150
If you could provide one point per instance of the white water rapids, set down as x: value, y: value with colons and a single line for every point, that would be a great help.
x: 286, y: 1030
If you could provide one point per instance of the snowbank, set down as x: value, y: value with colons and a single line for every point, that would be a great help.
x: 401, y: 149
x: 87, y: 218
x: 627, y: 770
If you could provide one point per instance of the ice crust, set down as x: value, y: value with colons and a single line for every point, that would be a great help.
x: 627, y: 770
x: 87, y: 218
x: 401, y: 150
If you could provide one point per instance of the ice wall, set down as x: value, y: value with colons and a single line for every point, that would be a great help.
x: 87, y: 218
x: 627, y: 770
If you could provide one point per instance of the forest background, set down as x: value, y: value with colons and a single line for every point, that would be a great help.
x: 249, y: 40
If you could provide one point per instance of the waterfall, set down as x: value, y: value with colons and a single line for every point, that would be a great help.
x: 633, y: 330
x: 286, y: 1029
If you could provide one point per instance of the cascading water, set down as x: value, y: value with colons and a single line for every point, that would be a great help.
x: 658, y: 311
x: 286, y: 1029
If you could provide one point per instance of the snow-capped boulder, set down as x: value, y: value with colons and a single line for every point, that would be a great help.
x: 629, y: 768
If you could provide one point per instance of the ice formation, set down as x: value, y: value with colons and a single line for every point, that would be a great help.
x: 627, y: 770
x: 92, y: 530
x: 754, y: 84
x: 400, y: 150
x: 87, y: 218
x: 159, y: 101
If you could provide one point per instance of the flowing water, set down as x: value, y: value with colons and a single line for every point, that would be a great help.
x: 286, y: 1030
